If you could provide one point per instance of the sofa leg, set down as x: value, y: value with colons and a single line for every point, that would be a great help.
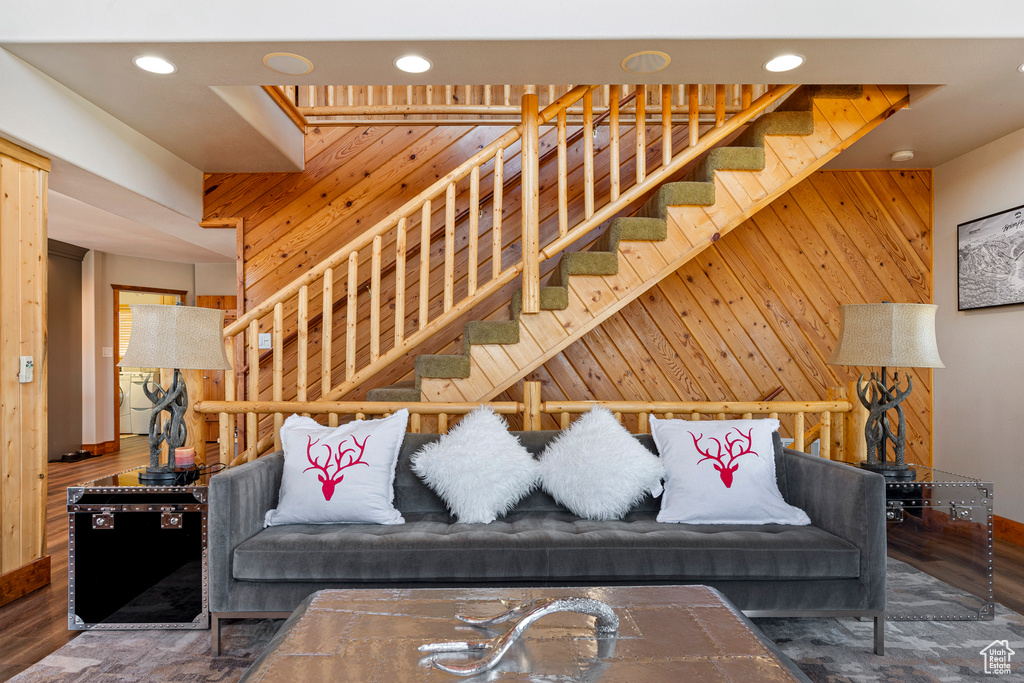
x: 880, y: 634
x: 214, y: 635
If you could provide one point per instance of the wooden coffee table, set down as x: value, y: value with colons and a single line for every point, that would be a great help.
x: 666, y: 633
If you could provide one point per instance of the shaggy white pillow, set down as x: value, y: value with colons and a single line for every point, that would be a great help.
x: 597, y: 469
x: 477, y: 468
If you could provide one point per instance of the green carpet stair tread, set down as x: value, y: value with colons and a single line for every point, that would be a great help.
x: 681, y: 193
x: 803, y: 98
x: 552, y: 298
x: 727, y: 159
x: 631, y: 229
x: 442, y: 366
x: 490, y: 332
x: 404, y: 392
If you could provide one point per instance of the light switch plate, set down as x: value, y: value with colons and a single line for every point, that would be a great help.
x: 107, y: 351
x: 25, y: 370
x: 263, y: 341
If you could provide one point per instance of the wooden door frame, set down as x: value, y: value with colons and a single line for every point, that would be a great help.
x: 117, y: 329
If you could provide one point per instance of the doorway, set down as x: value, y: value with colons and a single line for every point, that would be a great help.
x: 130, y: 403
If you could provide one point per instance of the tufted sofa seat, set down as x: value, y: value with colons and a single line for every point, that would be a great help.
x: 836, y: 565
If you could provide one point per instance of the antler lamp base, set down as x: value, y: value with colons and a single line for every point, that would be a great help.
x: 879, y: 399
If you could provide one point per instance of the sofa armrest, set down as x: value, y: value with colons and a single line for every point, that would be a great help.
x: 848, y: 502
x: 239, y: 499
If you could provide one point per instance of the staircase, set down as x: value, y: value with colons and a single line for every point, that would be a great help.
x: 767, y: 152
x: 682, y: 219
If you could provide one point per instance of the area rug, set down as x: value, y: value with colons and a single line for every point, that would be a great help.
x: 827, y: 650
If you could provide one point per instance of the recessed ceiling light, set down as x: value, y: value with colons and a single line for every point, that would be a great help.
x: 902, y: 155
x: 783, y: 63
x: 155, y: 65
x: 1021, y: 68
x: 646, y: 62
x: 287, y: 63
x: 413, y: 64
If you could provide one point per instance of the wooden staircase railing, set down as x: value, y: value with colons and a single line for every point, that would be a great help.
x: 840, y: 425
x: 397, y: 232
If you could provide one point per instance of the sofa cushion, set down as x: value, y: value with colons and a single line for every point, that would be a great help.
x: 542, y: 546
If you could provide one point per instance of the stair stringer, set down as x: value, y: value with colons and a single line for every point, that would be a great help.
x: 838, y: 123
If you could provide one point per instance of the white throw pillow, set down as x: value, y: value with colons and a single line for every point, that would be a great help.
x: 721, y: 473
x: 597, y: 469
x: 477, y: 468
x: 342, y: 474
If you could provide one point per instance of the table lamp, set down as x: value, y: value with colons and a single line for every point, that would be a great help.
x: 182, y: 338
x: 890, y: 336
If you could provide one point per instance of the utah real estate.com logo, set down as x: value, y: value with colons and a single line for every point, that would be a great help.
x: 997, y: 657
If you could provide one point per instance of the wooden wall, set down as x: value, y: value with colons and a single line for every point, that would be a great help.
x: 759, y: 309
x: 23, y: 182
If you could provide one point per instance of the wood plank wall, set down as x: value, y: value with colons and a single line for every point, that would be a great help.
x: 23, y: 182
x: 759, y: 309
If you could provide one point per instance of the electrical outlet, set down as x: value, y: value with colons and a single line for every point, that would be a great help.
x: 25, y: 370
x: 263, y: 342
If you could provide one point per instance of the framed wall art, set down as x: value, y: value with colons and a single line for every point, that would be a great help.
x: 990, y: 260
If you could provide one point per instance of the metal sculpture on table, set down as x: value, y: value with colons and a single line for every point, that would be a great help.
x: 607, y: 623
x: 879, y: 400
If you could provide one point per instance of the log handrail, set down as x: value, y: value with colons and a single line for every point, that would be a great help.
x: 532, y: 408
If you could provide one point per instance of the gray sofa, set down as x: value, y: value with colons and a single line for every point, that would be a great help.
x: 835, y: 567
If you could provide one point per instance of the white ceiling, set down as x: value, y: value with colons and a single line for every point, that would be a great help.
x: 973, y: 55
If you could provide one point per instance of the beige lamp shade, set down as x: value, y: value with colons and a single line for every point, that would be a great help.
x: 887, y: 335
x: 176, y: 337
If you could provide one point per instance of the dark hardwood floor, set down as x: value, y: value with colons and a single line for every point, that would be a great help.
x: 36, y: 625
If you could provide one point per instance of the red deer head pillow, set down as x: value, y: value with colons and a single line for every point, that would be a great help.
x: 721, y: 472
x: 341, y: 474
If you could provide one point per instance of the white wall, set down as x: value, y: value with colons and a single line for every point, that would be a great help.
x: 99, y: 271
x: 216, y: 279
x: 979, y: 403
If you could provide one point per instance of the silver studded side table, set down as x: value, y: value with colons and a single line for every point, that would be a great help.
x: 941, y: 524
x: 137, y: 554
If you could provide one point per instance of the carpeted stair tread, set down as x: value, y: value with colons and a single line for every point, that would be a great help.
x: 490, y: 332
x: 583, y: 263
x: 401, y: 392
x: 802, y: 99
x: 631, y: 229
x: 442, y: 366
x: 776, y: 123
x: 683, y: 193
x: 794, y: 116
x: 728, y: 159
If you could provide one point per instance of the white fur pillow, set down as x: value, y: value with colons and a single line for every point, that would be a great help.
x: 597, y: 469
x: 477, y: 468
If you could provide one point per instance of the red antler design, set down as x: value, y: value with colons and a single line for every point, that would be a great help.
x: 726, y: 469
x: 329, y: 480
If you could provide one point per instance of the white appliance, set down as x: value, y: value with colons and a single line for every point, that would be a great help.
x: 124, y: 391
x: 141, y: 406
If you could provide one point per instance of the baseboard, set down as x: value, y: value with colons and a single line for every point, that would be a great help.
x: 24, y: 580
x: 1008, y: 530
x: 99, y: 448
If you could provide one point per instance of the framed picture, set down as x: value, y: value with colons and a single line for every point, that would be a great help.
x: 990, y: 260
